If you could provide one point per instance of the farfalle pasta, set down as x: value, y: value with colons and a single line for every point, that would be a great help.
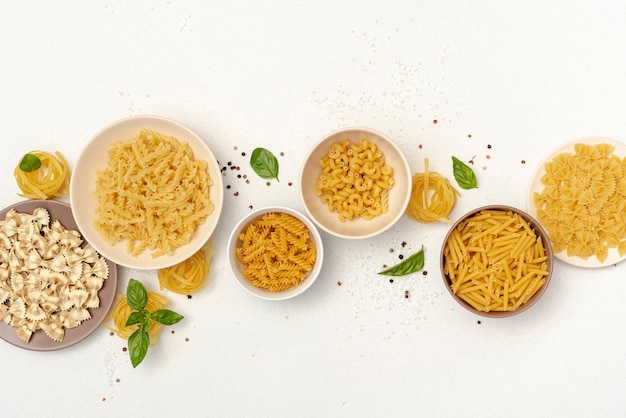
x: 48, y: 279
x: 354, y: 181
x: 583, y: 203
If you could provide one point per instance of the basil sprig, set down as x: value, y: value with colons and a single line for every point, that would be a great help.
x: 409, y: 265
x: 264, y: 163
x: 30, y: 163
x: 463, y: 174
x: 139, y: 341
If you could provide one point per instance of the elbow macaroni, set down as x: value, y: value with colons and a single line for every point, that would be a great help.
x: 355, y: 181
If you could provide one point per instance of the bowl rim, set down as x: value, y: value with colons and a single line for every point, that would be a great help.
x: 143, y: 262
x: 264, y: 293
x: 547, y: 245
x: 403, y: 162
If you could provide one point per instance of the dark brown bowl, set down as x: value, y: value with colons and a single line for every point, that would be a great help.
x: 539, y: 232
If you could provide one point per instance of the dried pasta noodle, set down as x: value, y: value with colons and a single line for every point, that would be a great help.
x: 49, y: 280
x: 189, y: 276
x: 120, y: 312
x: 152, y: 194
x: 583, y: 202
x: 50, y: 180
x: 432, y: 197
x: 495, y: 261
x: 276, y: 252
x: 354, y: 181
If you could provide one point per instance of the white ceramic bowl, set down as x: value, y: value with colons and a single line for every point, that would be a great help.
x: 237, y: 267
x: 93, y: 158
x: 357, y: 228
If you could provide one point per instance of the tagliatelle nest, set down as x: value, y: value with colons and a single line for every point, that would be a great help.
x: 47, y: 280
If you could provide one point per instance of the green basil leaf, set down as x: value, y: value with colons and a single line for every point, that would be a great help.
x: 136, y: 295
x: 146, y: 324
x: 463, y: 174
x: 409, y: 265
x: 166, y: 317
x: 264, y: 163
x: 135, y: 318
x: 30, y: 163
x: 138, y: 344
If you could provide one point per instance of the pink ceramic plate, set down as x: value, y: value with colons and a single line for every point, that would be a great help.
x: 40, y: 341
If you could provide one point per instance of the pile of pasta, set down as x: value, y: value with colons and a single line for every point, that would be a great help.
x: 190, y: 275
x: 152, y: 194
x: 276, y: 252
x: 355, y: 181
x: 120, y: 312
x: 432, y: 197
x: 583, y: 203
x: 50, y: 180
x: 495, y: 261
x: 47, y: 281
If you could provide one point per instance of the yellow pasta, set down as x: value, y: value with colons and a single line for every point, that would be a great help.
x: 427, y: 206
x: 50, y: 180
x: 189, y: 276
x: 582, y: 204
x: 489, y: 277
x: 354, y: 181
x: 120, y: 312
x: 152, y: 194
x: 276, y: 252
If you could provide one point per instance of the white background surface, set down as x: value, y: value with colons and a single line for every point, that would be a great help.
x: 522, y: 77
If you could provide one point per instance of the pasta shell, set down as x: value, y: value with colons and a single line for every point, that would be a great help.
x: 35, y: 312
x: 79, y: 314
x: 5, y: 242
x: 41, y: 216
x: 9, y: 227
x: 18, y: 308
x: 53, y: 329
x: 23, y: 333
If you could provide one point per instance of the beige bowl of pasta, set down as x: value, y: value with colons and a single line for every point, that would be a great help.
x: 496, y: 261
x: 275, y: 253
x: 355, y: 183
x: 146, y: 192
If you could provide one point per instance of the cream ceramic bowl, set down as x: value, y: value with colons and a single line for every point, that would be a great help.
x: 539, y: 232
x: 93, y: 158
x: 237, y: 266
x: 357, y: 228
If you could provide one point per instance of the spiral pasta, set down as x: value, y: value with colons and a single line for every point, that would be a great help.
x: 189, y: 276
x: 50, y: 180
x: 428, y: 207
x: 120, y: 312
x: 276, y: 252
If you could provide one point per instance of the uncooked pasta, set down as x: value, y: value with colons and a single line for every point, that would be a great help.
x: 432, y: 197
x: 152, y: 194
x: 120, y: 312
x: 50, y: 180
x: 190, y: 275
x: 583, y: 203
x: 276, y: 252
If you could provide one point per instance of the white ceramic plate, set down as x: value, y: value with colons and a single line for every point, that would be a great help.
x: 536, y: 187
x: 93, y: 158
x: 40, y: 341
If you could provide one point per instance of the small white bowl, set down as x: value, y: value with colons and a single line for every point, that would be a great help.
x: 93, y: 158
x: 237, y: 267
x: 358, y: 228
